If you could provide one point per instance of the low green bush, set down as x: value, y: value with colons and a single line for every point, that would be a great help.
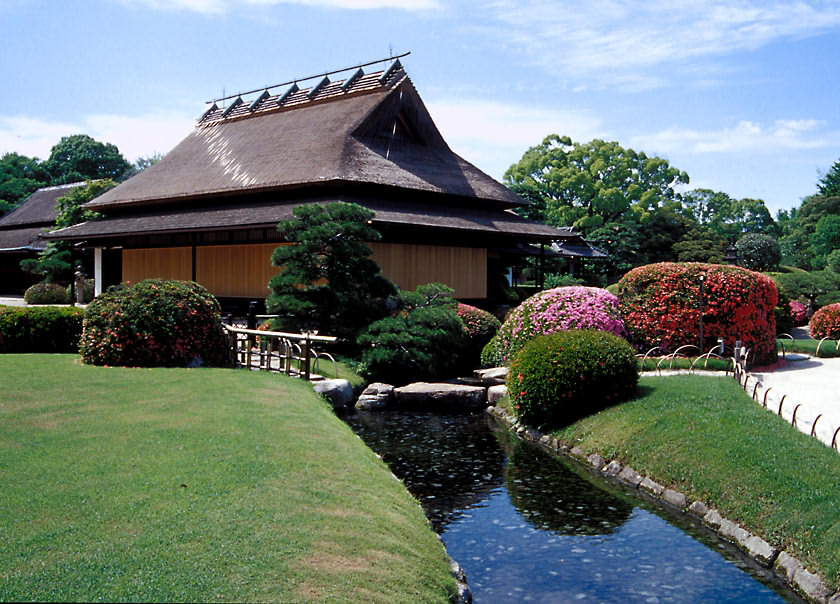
x: 47, y: 293
x: 490, y: 355
x: 422, y: 340
x: 826, y: 323
x: 46, y: 329
x: 480, y: 327
x: 558, y: 378
x: 154, y: 323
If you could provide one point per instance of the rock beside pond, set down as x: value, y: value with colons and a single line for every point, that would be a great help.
x: 338, y: 392
x: 376, y: 396
x: 454, y: 397
x: 496, y: 393
x: 492, y: 376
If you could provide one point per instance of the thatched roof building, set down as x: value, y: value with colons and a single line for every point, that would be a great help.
x: 211, y: 205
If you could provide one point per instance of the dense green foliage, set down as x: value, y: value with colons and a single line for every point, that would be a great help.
x: 479, y: 328
x: 46, y: 293
x: 154, y: 323
x: 726, y: 217
x: 327, y: 280
x: 661, y: 305
x: 816, y: 287
x: 829, y: 183
x: 706, y: 438
x: 43, y: 329
x: 422, y: 340
x: 558, y: 378
x: 20, y: 176
x: 758, y: 252
x: 826, y: 323
x: 552, y: 310
x: 80, y: 157
x: 799, y: 232
x: 197, y: 485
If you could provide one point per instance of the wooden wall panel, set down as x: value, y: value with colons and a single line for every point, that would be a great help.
x: 462, y: 268
x: 236, y: 271
x: 157, y: 263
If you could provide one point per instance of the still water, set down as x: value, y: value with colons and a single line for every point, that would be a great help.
x: 527, y: 527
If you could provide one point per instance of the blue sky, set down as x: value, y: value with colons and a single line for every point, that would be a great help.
x: 743, y: 96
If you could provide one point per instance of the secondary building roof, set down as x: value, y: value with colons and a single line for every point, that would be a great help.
x: 20, y: 229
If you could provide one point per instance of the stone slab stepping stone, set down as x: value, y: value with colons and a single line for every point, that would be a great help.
x: 454, y: 397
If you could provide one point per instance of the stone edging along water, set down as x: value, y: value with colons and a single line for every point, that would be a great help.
x: 785, y: 566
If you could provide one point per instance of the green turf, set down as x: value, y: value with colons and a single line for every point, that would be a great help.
x: 828, y: 349
x: 705, y: 437
x: 196, y: 485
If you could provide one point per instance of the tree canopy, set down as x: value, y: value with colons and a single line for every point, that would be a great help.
x: 20, y: 176
x: 79, y: 157
x: 726, y: 216
x: 587, y: 185
x: 829, y: 183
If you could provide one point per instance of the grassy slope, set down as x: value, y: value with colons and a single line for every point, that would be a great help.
x: 199, y: 485
x: 705, y: 437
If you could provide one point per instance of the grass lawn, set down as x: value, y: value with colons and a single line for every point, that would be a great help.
x: 706, y: 438
x: 828, y: 349
x: 197, y: 485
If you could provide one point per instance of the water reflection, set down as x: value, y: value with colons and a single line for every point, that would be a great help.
x: 526, y: 527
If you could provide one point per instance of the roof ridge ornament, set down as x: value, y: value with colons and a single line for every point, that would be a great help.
x: 394, y: 65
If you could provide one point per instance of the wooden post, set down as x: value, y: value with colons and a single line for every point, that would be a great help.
x: 97, y: 271
x: 306, y: 358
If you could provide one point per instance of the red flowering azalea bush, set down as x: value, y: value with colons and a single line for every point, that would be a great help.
x: 553, y: 310
x: 799, y: 313
x: 826, y: 323
x: 559, y: 378
x: 154, y: 323
x: 660, y: 304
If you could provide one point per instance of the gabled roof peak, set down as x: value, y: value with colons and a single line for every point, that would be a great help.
x: 290, y: 95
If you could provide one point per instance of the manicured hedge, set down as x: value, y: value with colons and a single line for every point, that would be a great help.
x: 154, y: 323
x: 559, y: 378
x: 826, y: 323
x: 479, y: 328
x: 42, y: 329
x: 660, y: 304
x: 47, y: 293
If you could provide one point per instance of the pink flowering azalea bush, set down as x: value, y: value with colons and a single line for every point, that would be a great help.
x: 798, y: 313
x: 479, y: 328
x: 154, y: 323
x: 553, y: 310
x: 660, y: 304
x: 826, y: 323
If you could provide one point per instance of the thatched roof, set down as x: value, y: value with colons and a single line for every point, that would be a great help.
x: 375, y: 131
x: 20, y: 229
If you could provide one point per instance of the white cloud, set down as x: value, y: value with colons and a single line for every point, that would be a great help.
x: 640, y: 45
x: 135, y: 136
x: 494, y: 135
x: 216, y: 7
x: 744, y: 137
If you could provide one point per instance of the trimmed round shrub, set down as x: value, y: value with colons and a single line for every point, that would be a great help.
x: 46, y: 293
x: 480, y: 327
x: 826, y: 323
x: 798, y: 313
x: 784, y: 320
x: 553, y: 310
x: 660, y: 304
x: 559, y: 378
x: 154, y: 323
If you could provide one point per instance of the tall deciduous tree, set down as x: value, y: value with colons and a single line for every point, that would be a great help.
x: 20, y: 176
x: 591, y: 184
x: 79, y: 157
x: 829, y: 183
x: 726, y: 216
x: 327, y: 280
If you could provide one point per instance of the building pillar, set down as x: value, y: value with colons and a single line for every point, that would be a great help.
x: 97, y: 271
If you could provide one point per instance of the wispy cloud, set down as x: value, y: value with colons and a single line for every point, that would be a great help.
x: 643, y: 45
x: 135, y: 136
x: 745, y: 136
x: 218, y: 7
x: 494, y: 135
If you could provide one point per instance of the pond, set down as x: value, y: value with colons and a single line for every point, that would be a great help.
x: 528, y: 527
